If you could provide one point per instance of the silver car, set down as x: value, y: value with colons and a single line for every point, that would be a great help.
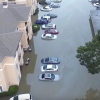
x: 49, y: 36
x: 46, y: 8
x: 56, y: 1
x: 48, y: 26
x: 48, y: 77
x: 47, y: 68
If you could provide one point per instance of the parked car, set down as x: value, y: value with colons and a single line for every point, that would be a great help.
x: 49, y: 36
x: 51, y: 31
x: 50, y: 60
x: 51, y: 15
x: 96, y: 4
x: 55, y: 5
x: 47, y: 68
x: 41, y: 21
x: 49, y: 26
x: 48, y: 77
x: 56, y: 1
x: 45, y: 2
x: 94, y: 1
x: 22, y: 97
x: 46, y: 8
x: 46, y: 18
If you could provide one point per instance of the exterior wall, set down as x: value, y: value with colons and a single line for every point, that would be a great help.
x: 20, y: 1
x: 10, y: 73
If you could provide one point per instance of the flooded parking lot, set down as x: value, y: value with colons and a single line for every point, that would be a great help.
x: 74, y: 30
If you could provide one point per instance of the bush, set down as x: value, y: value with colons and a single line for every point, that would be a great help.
x: 12, y: 91
x: 36, y: 11
x: 35, y: 27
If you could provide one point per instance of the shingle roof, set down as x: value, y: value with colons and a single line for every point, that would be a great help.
x: 95, y: 17
x: 9, y: 43
x: 10, y: 17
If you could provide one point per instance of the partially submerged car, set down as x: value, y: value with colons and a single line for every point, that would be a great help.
x: 49, y: 36
x: 51, y: 15
x: 46, y: 8
x: 48, y: 26
x: 48, y: 77
x: 47, y: 68
x: 50, y: 60
x: 96, y: 4
x: 22, y: 97
x: 51, y: 31
x: 41, y: 21
x: 55, y: 5
x: 45, y: 2
x: 56, y: 1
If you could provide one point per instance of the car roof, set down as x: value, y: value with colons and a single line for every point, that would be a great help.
x: 47, y: 75
x: 24, y: 96
x: 49, y: 66
x: 47, y: 7
x: 48, y: 34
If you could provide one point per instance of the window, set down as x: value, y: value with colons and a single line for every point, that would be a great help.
x: 19, y: 77
x: 17, y: 66
x: 1, y: 90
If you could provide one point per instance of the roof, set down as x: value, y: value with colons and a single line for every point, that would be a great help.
x: 95, y: 17
x: 47, y: 75
x: 9, y: 43
x: 11, y: 16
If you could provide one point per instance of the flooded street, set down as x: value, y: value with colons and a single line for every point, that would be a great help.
x: 74, y: 30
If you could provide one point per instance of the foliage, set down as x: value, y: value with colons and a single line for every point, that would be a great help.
x: 12, y: 91
x: 36, y: 11
x: 35, y: 27
x: 89, y: 55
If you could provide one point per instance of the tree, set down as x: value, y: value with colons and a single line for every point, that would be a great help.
x: 89, y: 55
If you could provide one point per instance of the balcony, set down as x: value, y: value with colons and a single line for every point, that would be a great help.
x: 11, y: 1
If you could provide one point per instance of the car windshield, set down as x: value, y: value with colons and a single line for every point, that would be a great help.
x: 44, y: 34
x: 43, y: 75
x: 52, y: 76
x: 15, y: 98
x: 54, y: 66
x: 52, y: 35
x: 47, y: 59
x: 44, y: 67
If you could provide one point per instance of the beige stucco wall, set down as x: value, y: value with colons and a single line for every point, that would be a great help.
x: 10, y: 73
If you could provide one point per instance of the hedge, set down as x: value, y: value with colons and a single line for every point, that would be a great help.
x: 12, y: 91
x: 35, y: 27
x: 36, y: 11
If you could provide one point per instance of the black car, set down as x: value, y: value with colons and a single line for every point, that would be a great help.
x: 51, y: 15
x: 45, y: 2
x: 50, y: 60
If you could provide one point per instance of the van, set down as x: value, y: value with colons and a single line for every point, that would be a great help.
x: 22, y: 97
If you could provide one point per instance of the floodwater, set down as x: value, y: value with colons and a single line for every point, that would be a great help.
x: 74, y: 30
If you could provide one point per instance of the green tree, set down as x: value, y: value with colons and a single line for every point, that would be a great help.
x: 89, y: 55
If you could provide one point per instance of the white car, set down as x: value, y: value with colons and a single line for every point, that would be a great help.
x: 45, y: 17
x: 48, y: 26
x: 96, y: 4
x: 46, y: 8
x: 49, y: 36
x: 22, y: 97
x: 56, y: 1
x: 47, y: 68
x: 48, y: 77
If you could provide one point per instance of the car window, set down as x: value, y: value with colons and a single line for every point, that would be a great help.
x: 15, y: 98
x: 44, y: 34
x: 49, y: 69
x: 43, y: 75
x: 44, y: 67
x: 54, y: 66
x: 47, y: 59
x: 52, y: 76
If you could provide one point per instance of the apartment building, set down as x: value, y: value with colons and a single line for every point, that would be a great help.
x: 28, y: 3
x: 95, y: 19
x: 15, y: 34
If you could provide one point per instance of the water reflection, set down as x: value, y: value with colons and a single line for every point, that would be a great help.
x: 91, y: 94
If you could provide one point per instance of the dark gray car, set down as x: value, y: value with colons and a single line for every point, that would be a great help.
x: 55, y: 5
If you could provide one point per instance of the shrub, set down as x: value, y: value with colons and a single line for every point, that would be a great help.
x: 35, y: 27
x: 12, y: 91
x: 36, y: 11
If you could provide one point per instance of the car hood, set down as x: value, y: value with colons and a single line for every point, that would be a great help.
x: 11, y: 98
